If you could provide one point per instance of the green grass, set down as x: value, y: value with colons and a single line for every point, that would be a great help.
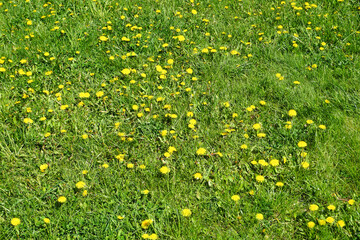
x: 254, y: 42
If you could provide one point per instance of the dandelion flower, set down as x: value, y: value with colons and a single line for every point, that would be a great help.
x: 43, y: 167
x: 257, y: 126
x: 47, y: 220
x: 100, y: 94
x: 153, y: 237
x: 302, y: 144
x: 15, y: 221
x: 305, y: 164
x: 201, y: 151
x: 198, y: 176
x: 279, y: 184
x: 164, y: 170
x: 80, y: 185
x: 259, y: 216
x: 274, y: 162
x: 145, y: 192
x: 313, y: 207
x: 330, y: 219
x: 322, y: 222
x: 186, y: 212
x: 292, y: 113
x: 126, y: 71
x: 311, y: 224
x: 28, y: 120
x: 103, y: 38
x: 341, y: 223
x: 351, y: 201
x: 62, y: 199
x: 260, y: 178
x: 235, y: 198
x: 331, y: 207
x: 146, y: 223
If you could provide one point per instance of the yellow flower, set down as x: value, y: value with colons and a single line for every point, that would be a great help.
x: 146, y: 223
x: 181, y: 38
x: 198, y: 176
x: 171, y: 149
x: 279, y: 184
x: 186, y: 212
x: 29, y: 22
x: 47, y: 220
x: 130, y: 165
x: 63, y: 107
x: 235, y: 198
x: 305, y: 164
x: 145, y: 191
x: 292, y: 113
x: 28, y: 120
x: 189, y: 70
x: 257, y: 126
x: 164, y: 170
x: 15, y: 221
x: 43, y: 167
x: 351, y: 201
x: 194, y: 11
x: 80, y: 185
x: 244, y: 146
x: 84, y: 95
x: 341, y: 223
x: 62, y: 199
x: 85, y: 193
x: 261, y: 135
x: 126, y: 71
x: 330, y: 219
x: 153, y: 237
x: 260, y: 178
x: 302, y: 144
x: 311, y: 224
x: 84, y: 136
x: 262, y: 103
x: 331, y: 207
x: 120, y: 217
x: 262, y: 162
x: 313, y: 207
x: 274, y: 162
x: 259, y: 216
x: 323, y: 127
x: 100, y: 94
x: 322, y: 222
x: 201, y: 151
x: 105, y: 165
x: 103, y: 38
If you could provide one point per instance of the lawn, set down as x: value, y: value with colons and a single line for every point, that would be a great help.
x: 169, y: 119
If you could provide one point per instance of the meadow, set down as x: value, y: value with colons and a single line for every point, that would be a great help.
x: 169, y: 119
